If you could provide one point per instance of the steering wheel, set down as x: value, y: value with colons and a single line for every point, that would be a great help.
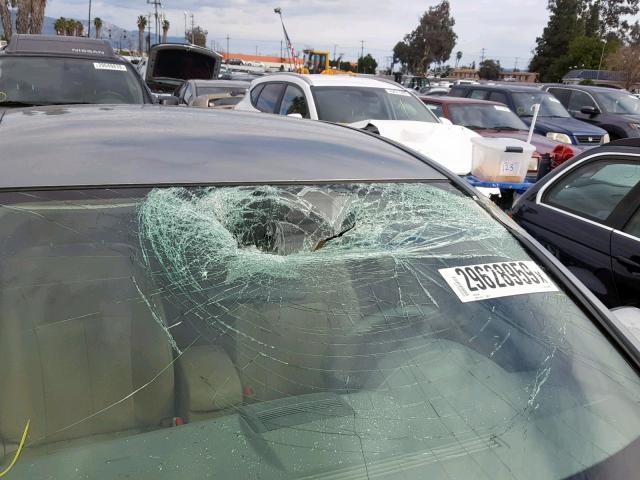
x: 109, y: 96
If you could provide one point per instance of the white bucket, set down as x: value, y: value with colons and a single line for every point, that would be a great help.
x: 501, y: 159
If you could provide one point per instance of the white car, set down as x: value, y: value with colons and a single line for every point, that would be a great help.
x: 375, y: 104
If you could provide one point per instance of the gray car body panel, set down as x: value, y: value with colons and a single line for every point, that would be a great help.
x: 153, y: 145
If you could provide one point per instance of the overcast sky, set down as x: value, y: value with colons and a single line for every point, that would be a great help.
x: 505, y: 28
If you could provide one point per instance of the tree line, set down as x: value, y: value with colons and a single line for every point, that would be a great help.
x: 587, y: 34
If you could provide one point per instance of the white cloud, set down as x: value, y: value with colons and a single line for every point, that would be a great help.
x: 505, y: 28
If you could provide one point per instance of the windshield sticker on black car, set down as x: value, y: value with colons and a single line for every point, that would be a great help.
x: 501, y: 108
x: 493, y: 280
x: 110, y: 66
x: 553, y: 99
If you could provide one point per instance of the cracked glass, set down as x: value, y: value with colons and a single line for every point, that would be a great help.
x: 285, y: 332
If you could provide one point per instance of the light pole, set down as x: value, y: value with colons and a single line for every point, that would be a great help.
x: 185, y: 27
x: 89, y: 34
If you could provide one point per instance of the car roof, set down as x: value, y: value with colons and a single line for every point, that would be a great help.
x: 586, y: 88
x: 339, y: 80
x: 54, y: 45
x: 464, y: 100
x: 93, y: 145
x: 510, y: 88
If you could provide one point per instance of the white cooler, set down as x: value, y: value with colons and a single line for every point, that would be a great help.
x: 500, y: 159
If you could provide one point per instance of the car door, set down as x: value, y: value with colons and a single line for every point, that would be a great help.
x: 625, y: 256
x: 576, y: 218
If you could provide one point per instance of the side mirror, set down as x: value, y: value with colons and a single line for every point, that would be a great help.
x: 168, y: 100
x: 590, y: 111
x: 629, y: 317
x: 294, y: 115
x: 445, y: 121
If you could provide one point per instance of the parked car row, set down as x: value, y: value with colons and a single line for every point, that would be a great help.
x: 294, y: 289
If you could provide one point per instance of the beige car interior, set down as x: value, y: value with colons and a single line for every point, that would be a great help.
x: 86, y: 341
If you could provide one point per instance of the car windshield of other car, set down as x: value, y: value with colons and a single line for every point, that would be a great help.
x: 485, y: 116
x: 549, y: 105
x: 307, y: 331
x: 55, y: 80
x: 354, y: 104
x: 620, y: 103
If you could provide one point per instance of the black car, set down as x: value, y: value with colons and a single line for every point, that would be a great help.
x: 553, y: 121
x: 57, y: 70
x: 192, y: 89
x: 616, y: 111
x: 188, y: 294
x: 587, y: 213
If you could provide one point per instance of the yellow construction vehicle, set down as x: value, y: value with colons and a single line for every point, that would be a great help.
x: 317, y: 61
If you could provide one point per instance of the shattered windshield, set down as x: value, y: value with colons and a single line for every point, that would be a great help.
x: 330, y: 331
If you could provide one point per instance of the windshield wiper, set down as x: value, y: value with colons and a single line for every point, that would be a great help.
x: 475, y: 127
x: 14, y: 103
x: 508, y: 128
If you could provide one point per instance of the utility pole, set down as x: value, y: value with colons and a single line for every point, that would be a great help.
x: 361, y: 54
x: 186, y: 35
x: 482, y: 56
x: 89, y: 23
x: 280, y: 50
x: 156, y: 4
x: 227, y: 46
x: 335, y: 49
x: 515, y: 69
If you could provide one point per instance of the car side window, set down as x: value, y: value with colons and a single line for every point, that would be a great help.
x: 294, y: 101
x: 478, y: 94
x: 498, y: 97
x: 633, y: 227
x: 436, y: 109
x: 255, y: 93
x: 562, y: 94
x: 579, y: 100
x: 594, y: 190
x: 269, y: 97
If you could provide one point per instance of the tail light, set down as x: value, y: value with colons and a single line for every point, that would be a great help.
x: 534, y: 162
x: 561, y: 154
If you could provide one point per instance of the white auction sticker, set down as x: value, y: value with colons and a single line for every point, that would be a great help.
x: 501, y: 108
x: 494, y: 280
x: 110, y: 66
x: 553, y: 99
x: 398, y: 92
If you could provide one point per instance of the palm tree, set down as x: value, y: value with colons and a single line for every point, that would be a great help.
x: 142, y: 24
x: 5, y: 18
x: 165, y: 30
x: 70, y: 27
x: 458, y: 58
x: 30, y: 16
x: 79, y: 28
x: 97, y: 22
x: 37, y: 15
x: 60, y: 26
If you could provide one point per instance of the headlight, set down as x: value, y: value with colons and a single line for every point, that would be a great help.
x: 635, y: 126
x: 606, y: 138
x: 559, y: 137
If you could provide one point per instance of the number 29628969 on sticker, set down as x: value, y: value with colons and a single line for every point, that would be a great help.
x: 493, y: 280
